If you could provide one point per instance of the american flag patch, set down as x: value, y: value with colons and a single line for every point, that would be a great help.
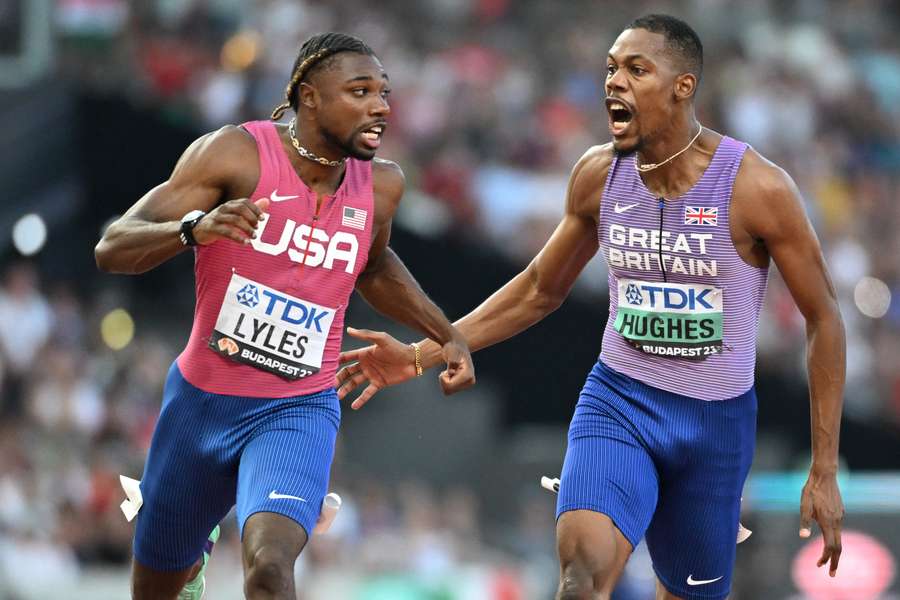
x: 701, y: 215
x: 354, y: 217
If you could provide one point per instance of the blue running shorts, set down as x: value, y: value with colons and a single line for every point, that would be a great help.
x: 666, y: 467
x: 211, y: 452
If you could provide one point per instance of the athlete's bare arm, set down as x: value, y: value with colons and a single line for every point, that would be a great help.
x: 545, y: 283
x: 390, y: 288
x: 768, y: 207
x: 527, y: 298
x: 386, y: 284
x: 220, y: 165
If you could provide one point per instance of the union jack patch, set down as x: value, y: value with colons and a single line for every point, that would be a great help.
x: 701, y: 215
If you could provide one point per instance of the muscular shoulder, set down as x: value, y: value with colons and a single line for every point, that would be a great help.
x: 759, y: 176
x: 388, y: 183
x: 226, y: 158
x: 764, y: 197
x: 222, y: 149
x: 588, y: 179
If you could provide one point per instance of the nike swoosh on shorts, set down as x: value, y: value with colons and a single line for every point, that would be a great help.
x: 273, y: 495
x: 692, y: 581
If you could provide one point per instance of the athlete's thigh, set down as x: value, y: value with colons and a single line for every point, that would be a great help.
x: 692, y: 538
x: 692, y: 542
x: 607, y: 469
x: 285, y: 467
x: 186, y: 491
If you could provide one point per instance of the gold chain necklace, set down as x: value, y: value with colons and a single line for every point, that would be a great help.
x: 650, y: 166
x: 292, y: 130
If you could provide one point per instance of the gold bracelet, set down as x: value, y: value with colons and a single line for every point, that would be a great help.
x: 418, y: 359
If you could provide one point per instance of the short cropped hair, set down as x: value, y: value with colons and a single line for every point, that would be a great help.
x: 681, y: 40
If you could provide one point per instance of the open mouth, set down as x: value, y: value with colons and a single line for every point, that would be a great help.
x: 372, y: 135
x: 620, y: 115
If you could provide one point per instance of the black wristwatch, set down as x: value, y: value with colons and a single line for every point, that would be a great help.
x: 188, y: 222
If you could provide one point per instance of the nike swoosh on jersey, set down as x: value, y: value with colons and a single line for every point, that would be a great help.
x: 692, y: 581
x: 273, y: 495
x: 276, y: 198
x: 620, y: 209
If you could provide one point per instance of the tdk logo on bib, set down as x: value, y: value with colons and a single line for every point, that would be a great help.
x: 294, y: 312
x: 271, y: 330
x: 669, y: 297
x: 670, y: 319
x: 633, y: 294
x: 248, y: 295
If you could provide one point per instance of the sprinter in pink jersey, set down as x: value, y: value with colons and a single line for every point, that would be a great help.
x: 662, y: 438
x: 285, y: 222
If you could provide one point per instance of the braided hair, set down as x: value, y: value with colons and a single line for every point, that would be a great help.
x: 313, y: 55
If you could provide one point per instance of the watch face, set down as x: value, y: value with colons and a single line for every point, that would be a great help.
x: 194, y: 214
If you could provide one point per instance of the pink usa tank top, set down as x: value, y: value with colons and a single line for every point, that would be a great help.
x: 269, y: 315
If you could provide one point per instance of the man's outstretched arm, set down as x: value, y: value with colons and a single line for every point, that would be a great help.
x: 546, y: 282
x: 779, y: 220
x: 526, y: 299
x: 389, y: 287
x: 393, y: 291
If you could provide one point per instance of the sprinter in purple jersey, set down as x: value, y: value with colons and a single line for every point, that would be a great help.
x: 663, y: 433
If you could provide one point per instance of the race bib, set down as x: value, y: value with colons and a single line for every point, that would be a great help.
x: 270, y: 330
x: 670, y: 319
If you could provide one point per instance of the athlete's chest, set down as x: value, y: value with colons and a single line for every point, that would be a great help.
x: 331, y: 233
x: 642, y: 235
x: 283, y: 295
x: 668, y: 268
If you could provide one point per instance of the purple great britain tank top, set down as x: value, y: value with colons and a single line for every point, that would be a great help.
x: 684, y: 307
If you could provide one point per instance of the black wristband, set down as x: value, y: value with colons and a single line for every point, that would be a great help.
x: 188, y: 222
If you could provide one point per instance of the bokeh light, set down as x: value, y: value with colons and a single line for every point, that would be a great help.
x: 117, y: 329
x: 29, y: 234
x: 872, y: 297
x: 866, y: 569
x: 240, y: 51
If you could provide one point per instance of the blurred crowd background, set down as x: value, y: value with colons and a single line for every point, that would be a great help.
x: 493, y: 101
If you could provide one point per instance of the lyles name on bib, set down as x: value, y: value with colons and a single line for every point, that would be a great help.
x: 270, y: 330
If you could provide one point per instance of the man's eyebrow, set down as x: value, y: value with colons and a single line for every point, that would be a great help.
x: 366, y: 78
x: 628, y: 57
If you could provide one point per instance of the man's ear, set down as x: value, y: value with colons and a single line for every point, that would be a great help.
x: 308, y: 95
x: 685, y: 86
